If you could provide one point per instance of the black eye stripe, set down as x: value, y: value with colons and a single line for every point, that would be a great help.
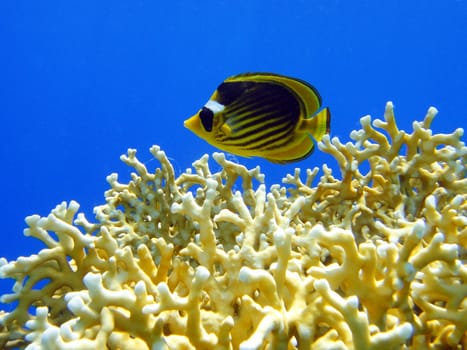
x: 207, y: 117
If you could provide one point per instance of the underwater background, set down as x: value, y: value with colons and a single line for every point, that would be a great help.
x: 83, y: 81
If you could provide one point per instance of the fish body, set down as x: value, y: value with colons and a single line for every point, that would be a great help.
x: 263, y: 115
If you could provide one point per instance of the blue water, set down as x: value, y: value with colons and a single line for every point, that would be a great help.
x: 82, y: 81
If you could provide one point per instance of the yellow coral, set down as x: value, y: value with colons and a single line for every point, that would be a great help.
x: 375, y: 260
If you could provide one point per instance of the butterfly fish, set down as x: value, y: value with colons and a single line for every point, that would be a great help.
x: 263, y: 115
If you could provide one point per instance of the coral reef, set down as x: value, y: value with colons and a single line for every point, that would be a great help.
x: 212, y: 260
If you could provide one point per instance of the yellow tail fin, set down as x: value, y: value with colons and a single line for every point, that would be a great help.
x: 318, y: 125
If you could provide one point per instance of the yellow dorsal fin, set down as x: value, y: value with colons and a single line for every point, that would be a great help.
x: 306, y: 93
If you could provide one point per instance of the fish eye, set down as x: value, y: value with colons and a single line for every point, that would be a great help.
x: 207, y: 118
